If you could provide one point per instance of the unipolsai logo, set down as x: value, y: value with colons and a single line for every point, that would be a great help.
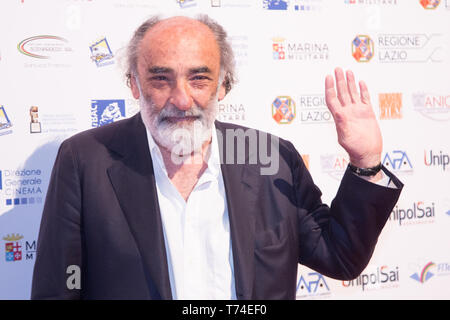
x: 15, y: 250
x: 283, y: 109
x: 419, y: 212
x: 375, y: 278
x: 398, y: 161
x: 106, y: 111
x: 437, y: 159
x: 312, y: 285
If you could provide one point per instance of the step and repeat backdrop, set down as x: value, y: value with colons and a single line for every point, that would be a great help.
x: 61, y: 72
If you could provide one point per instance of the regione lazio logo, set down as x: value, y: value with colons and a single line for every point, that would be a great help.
x: 362, y: 48
x: 13, y: 248
x: 278, y: 49
x: 106, y: 111
x: 430, y: 4
x: 101, y: 53
x: 283, y: 109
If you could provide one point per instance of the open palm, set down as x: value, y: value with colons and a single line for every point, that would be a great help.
x: 356, y: 125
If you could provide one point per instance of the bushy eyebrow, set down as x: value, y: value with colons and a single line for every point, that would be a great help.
x: 191, y: 71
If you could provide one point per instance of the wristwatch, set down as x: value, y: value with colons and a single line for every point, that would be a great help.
x: 366, y: 172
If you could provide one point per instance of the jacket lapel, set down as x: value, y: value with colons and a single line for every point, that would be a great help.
x: 133, y: 180
x: 241, y: 187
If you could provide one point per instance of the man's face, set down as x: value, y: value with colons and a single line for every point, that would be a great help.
x: 178, y: 75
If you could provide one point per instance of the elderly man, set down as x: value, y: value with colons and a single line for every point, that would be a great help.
x: 148, y: 208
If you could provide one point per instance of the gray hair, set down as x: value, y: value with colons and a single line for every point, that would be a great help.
x: 226, y: 52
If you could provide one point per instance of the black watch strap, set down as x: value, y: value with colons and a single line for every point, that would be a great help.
x: 366, y: 172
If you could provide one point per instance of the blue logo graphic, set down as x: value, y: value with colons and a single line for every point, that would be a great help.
x: 186, y: 3
x: 275, y: 4
x: 5, y: 123
x: 448, y: 212
x: 315, y: 285
x: 101, y: 53
x: 397, y: 160
x: 106, y: 111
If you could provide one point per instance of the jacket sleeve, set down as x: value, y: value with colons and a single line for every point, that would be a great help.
x: 59, y: 247
x: 338, y: 241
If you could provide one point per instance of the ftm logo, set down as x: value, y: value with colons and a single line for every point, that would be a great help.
x: 390, y: 105
x: 430, y: 4
x: 283, y: 109
x: 425, y: 274
x: 362, y: 48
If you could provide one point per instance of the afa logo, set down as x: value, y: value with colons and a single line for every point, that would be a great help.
x: 398, y: 161
x: 362, y: 48
x: 106, y: 111
x: 101, y: 53
x: 283, y: 109
x: 278, y: 49
x: 5, y: 123
x: 430, y: 4
x: 334, y: 165
x: 313, y: 284
x: 425, y: 274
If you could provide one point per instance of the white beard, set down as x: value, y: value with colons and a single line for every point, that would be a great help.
x: 182, y: 138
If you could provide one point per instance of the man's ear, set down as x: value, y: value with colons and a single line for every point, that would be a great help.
x: 222, y: 91
x: 134, y: 87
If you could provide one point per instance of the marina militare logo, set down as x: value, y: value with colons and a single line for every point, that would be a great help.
x: 13, y: 247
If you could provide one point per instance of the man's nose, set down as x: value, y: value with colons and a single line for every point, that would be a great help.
x: 181, y: 96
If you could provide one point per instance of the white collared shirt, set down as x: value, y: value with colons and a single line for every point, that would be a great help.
x: 196, y: 231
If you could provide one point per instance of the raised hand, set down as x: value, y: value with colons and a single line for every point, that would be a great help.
x: 357, y: 128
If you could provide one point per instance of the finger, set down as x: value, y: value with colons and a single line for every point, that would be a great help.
x: 330, y: 95
x: 365, y: 97
x: 342, y: 88
x: 352, y: 87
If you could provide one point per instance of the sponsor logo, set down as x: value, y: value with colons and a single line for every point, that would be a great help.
x: 186, y: 3
x: 310, y: 51
x: 1, y: 184
x: 312, y: 285
x: 15, y: 250
x: 376, y: 278
x: 5, y: 123
x: 231, y: 112
x: 334, y: 165
x: 430, y: 270
x: 106, y: 111
x: 430, y: 4
x: 283, y: 109
x: 436, y: 160
x: 44, y: 47
x: 399, y: 48
x: 293, y: 5
x: 398, y: 161
x: 35, y: 125
x: 432, y: 106
x: 231, y: 3
x: 371, y: 2
x: 418, y: 213
x: 305, y: 158
x: 21, y: 187
x: 362, y: 48
x: 101, y: 53
x: 390, y: 105
x: 313, y: 109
